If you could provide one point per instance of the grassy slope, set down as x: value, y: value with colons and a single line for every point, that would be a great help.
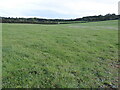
x: 72, y: 55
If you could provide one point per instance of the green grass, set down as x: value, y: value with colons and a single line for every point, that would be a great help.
x: 81, y: 55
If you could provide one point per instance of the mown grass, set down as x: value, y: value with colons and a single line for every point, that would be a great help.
x: 81, y: 55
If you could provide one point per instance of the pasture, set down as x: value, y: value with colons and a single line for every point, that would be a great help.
x: 80, y: 55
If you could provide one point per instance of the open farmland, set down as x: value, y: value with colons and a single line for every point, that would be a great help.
x: 80, y: 55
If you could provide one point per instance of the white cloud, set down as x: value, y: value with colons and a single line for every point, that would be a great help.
x: 74, y: 8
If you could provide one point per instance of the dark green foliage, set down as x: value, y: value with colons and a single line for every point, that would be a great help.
x: 60, y: 21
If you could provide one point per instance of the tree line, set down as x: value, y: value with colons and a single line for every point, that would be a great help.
x: 60, y: 21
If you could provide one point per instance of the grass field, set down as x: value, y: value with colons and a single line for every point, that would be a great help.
x: 80, y: 55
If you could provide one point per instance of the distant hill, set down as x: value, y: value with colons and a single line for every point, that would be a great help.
x: 60, y: 21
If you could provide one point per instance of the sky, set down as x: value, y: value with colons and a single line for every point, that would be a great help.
x: 64, y: 9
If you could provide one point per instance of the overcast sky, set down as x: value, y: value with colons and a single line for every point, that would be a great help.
x: 57, y: 8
